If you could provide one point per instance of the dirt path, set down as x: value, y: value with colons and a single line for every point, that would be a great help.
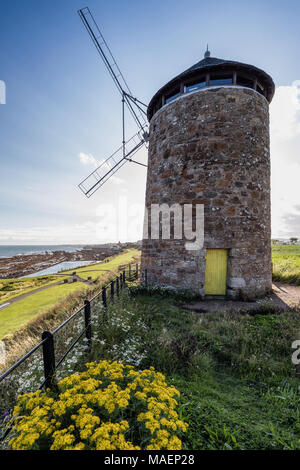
x: 286, y: 295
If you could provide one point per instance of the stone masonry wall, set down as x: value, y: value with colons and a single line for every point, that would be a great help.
x: 212, y: 147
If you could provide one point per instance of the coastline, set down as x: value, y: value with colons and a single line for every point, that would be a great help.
x: 23, y: 264
x: 9, y: 251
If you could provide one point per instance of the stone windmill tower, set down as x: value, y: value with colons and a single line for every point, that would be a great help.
x: 209, y: 145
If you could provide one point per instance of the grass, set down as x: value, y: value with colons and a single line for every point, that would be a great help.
x: 17, y: 314
x: 286, y: 263
x: 12, y: 288
x: 97, y: 270
x: 286, y: 249
x: 239, y: 389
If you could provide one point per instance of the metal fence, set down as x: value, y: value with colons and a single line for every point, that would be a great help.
x: 47, y: 345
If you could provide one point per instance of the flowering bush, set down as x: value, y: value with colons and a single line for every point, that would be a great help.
x: 110, y: 406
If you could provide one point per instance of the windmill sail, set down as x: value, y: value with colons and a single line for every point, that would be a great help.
x: 112, y: 66
x: 112, y: 164
x: 124, y: 153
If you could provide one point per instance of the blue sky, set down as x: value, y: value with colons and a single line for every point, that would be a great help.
x: 62, y: 110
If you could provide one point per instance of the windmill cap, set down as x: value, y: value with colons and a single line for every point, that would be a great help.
x: 214, y: 64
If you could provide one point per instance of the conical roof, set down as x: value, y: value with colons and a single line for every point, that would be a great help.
x: 214, y: 64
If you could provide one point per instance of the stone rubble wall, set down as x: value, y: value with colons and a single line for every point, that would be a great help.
x: 212, y: 147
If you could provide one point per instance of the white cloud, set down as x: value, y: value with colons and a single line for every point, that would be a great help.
x: 90, y: 160
x: 88, y: 232
x: 284, y: 112
x: 285, y: 144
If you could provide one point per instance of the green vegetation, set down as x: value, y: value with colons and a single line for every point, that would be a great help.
x: 15, y: 315
x: 286, y: 249
x: 95, y: 271
x: 286, y: 263
x: 239, y: 388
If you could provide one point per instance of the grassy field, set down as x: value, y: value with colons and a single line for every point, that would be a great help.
x: 11, y: 288
x: 24, y: 310
x: 286, y: 263
x: 95, y: 271
x: 239, y: 389
x: 17, y: 314
x: 286, y: 268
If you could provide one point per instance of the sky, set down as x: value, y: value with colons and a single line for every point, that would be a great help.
x: 63, y: 113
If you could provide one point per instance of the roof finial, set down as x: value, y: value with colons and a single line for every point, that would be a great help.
x: 207, y: 53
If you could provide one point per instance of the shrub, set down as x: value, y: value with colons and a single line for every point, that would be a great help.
x: 165, y: 292
x: 110, y: 406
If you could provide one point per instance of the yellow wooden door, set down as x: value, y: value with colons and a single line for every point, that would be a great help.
x: 216, y: 272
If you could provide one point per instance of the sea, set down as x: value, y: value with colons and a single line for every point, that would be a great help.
x: 6, y: 251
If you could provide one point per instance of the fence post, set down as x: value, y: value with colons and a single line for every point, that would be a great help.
x: 112, y: 289
x: 104, y: 297
x: 117, y: 286
x: 136, y: 271
x: 124, y: 277
x: 88, y: 326
x: 48, y: 359
x: 121, y: 281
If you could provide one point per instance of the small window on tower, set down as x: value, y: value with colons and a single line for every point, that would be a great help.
x: 246, y: 82
x: 195, y: 86
x: 172, y: 97
x: 260, y: 88
x: 221, y: 81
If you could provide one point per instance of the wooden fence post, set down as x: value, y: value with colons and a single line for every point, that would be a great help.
x: 124, y: 277
x: 49, y: 359
x: 88, y: 326
x: 117, y: 286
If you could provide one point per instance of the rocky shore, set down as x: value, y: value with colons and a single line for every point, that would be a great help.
x: 21, y: 265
